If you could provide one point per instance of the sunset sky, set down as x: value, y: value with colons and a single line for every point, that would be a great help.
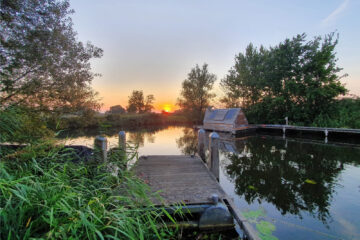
x: 152, y: 45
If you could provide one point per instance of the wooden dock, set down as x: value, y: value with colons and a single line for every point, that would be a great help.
x: 180, y: 179
x: 186, y: 180
x: 326, y: 131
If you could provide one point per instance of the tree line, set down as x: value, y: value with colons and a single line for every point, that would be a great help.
x: 298, y: 79
x: 137, y: 103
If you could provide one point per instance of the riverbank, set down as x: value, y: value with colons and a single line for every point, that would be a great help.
x: 121, y: 121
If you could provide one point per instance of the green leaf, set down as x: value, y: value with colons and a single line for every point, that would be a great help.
x: 310, y: 181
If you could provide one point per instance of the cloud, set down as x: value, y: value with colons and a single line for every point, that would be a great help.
x: 335, y: 13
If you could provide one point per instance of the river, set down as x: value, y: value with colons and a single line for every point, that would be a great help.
x: 287, y: 188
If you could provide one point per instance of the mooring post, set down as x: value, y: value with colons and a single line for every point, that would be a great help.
x: 122, y: 141
x: 122, y: 144
x: 201, y: 144
x: 214, y: 154
x: 100, y: 147
x: 286, y: 121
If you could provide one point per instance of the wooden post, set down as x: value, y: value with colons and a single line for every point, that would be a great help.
x: 286, y: 121
x: 214, y: 154
x: 122, y: 144
x: 122, y: 141
x: 100, y: 147
x: 201, y: 144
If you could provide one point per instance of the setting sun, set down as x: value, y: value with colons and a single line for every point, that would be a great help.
x: 167, y: 108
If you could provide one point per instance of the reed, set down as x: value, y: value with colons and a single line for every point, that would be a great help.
x: 46, y: 195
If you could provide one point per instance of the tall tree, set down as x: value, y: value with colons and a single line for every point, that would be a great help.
x: 296, y: 78
x: 196, y: 92
x: 138, y: 104
x: 42, y: 64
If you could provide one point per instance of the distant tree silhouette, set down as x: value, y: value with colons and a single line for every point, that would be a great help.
x: 137, y: 104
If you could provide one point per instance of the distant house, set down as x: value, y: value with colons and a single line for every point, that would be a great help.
x: 225, y: 120
x: 117, y: 109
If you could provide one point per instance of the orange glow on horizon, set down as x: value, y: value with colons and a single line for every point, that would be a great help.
x: 167, y: 108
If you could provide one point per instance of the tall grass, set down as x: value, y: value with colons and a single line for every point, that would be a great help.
x: 45, y: 195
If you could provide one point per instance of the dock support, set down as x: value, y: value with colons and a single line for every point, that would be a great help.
x: 100, y: 147
x: 214, y: 154
x: 201, y: 144
x: 284, y: 130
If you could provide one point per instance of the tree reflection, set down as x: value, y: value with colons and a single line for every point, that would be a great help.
x: 138, y: 137
x: 284, y: 176
x: 187, y: 143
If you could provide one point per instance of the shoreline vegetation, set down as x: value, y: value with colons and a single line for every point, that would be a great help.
x: 121, y: 121
x: 45, y: 194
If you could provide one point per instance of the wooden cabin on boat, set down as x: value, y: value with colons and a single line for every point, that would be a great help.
x: 225, y: 120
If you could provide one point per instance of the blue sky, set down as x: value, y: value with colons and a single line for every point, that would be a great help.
x: 152, y: 45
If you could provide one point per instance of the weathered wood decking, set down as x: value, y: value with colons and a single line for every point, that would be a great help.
x: 180, y: 179
x: 187, y: 180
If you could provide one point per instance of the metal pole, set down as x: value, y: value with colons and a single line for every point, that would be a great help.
x: 214, y: 154
x: 100, y: 147
x: 201, y: 144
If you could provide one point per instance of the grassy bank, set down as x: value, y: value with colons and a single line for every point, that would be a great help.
x: 44, y: 194
x: 121, y: 121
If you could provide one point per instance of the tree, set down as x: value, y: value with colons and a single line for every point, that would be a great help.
x: 117, y: 109
x: 137, y: 104
x: 296, y: 78
x: 195, y: 94
x: 42, y: 64
x: 149, y: 103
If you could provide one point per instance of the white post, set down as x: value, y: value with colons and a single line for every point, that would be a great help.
x: 100, y: 147
x: 326, y: 132
x: 214, y: 154
x: 286, y: 121
x: 201, y: 144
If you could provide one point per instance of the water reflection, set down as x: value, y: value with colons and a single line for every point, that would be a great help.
x: 293, y: 176
x: 187, y: 143
x: 138, y: 138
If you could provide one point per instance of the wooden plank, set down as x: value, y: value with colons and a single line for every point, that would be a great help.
x: 180, y: 179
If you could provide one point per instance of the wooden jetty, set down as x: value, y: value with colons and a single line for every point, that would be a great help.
x: 186, y: 181
x: 180, y: 179
x: 325, y: 131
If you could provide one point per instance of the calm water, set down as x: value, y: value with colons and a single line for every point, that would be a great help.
x: 288, y: 189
